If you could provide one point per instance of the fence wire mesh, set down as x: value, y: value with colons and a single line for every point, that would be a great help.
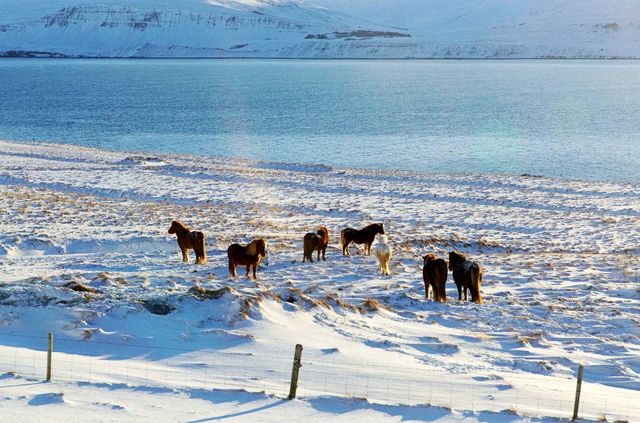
x: 143, y: 366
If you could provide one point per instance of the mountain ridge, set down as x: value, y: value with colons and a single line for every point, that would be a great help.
x: 321, y: 29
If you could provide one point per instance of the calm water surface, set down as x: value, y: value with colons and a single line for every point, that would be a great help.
x: 565, y: 119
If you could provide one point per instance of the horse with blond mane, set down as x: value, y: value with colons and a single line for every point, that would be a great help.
x: 249, y: 255
x: 189, y: 240
x: 382, y: 250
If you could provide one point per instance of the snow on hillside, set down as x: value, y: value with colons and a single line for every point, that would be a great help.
x: 85, y: 254
x: 321, y: 28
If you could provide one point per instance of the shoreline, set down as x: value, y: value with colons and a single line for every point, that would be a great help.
x: 444, y: 59
x: 388, y: 172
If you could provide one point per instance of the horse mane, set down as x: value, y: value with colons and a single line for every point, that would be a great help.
x: 252, y: 247
x: 178, y: 227
x: 458, y: 255
x: 456, y: 258
x: 377, y: 227
x: 382, y: 239
x: 429, y: 256
x: 323, y: 233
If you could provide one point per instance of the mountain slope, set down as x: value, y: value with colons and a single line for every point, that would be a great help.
x: 321, y: 28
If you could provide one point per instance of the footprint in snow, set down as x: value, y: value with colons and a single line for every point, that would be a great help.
x: 436, y: 348
x: 47, y: 399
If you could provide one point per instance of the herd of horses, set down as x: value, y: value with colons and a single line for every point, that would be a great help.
x: 467, y: 274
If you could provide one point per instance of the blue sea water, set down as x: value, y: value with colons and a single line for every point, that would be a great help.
x: 563, y: 119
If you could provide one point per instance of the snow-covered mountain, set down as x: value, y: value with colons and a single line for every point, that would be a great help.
x: 321, y: 28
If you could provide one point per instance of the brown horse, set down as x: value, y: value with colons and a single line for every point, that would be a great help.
x: 315, y: 242
x: 467, y: 274
x: 189, y: 240
x: 434, y: 274
x: 360, y: 236
x: 249, y: 255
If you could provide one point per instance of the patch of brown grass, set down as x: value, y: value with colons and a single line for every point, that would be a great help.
x: 371, y: 304
x: 78, y: 287
x: 208, y: 294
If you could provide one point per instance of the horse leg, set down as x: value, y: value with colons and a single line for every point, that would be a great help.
x: 459, y: 291
x: 324, y: 250
x: 185, y: 255
x: 248, y: 270
x: 319, y: 252
x: 442, y: 294
x: 232, y: 268
x: 345, y: 248
x: 255, y: 265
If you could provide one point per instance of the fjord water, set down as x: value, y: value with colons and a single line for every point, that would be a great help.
x: 557, y: 118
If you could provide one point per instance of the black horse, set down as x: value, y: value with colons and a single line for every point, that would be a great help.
x: 360, y: 236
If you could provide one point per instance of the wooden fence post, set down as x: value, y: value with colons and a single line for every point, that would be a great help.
x: 297, y: 357
x: 49, y: 355
x: 576, y: 404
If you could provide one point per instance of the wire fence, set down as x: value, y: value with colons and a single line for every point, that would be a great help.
x: 134, y: 366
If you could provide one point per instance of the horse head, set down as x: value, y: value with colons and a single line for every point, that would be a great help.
x: 260, y: 247
x: 456, y: 258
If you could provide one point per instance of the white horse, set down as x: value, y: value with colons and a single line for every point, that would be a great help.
x: 382, y: 250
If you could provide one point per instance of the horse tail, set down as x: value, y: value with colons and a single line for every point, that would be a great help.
x: 343, y: 238
x: 199, y: 246
x: 203, y: 246
x: 445, y: 273
x: 232, y: 265
x: 305, y: 248
x: 476, y: 279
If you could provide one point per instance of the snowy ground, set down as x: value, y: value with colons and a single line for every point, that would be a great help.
x: 560, y: 289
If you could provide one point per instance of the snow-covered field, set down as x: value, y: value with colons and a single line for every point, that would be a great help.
x: 141, y: 336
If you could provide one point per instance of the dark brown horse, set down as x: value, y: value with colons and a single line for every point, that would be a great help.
x: 315, y: 242
x: 434, y: 274
x: 189, y: 240
x: 467, y: 274
x: 249, y: 255
x: 360, y: 236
